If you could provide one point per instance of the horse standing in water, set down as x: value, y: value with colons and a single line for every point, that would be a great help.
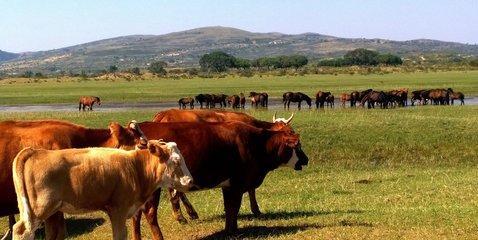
x: 297, y: 97
x: 88, y: 101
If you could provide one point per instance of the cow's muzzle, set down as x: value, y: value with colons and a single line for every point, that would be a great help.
x: 187, y: 184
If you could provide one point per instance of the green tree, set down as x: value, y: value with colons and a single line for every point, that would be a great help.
x: 217, y: 61
x: 389, y: 59
x: 28, y: 74
x: 362, y: 56
x: 113, y: 69
x: 242, y: 63
x: 158, y: 68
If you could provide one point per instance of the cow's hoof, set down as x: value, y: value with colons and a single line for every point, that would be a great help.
x: 8, y: 235
x: 181, y: 219
x: 193, y: 216
x: 256, y: 212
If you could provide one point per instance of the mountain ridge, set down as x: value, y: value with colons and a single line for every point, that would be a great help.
x: 184, y: 48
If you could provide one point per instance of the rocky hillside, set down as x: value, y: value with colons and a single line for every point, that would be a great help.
x: 185, y: 48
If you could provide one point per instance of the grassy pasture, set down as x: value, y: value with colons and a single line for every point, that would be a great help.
x: 67, y: 90
x: 390, y: 174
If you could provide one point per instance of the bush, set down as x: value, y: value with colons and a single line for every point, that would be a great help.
x: 157, y: 68
x: 135, y: 71
x: 474, y: 62
x: 246, y: 73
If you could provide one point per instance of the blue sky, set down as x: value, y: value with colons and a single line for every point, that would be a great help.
x: 42, y: 25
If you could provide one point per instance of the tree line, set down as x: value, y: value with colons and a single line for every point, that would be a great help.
x: 219, y: 61
x: 362, y: 57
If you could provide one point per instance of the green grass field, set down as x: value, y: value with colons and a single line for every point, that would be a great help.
x: 387, y: 174
x: 24, y: 91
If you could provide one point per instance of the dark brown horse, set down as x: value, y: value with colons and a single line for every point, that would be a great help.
x: 233, y: 101
x: 203, y: 99
x: 297, y: 97
x: 330, y: 101
x: 375, y: 97
x: 321, y: 98
x: 183, y: 102
x: 88, y: 101
x: 242, y: 100
x: 259, y: 99
x: 218, y: 98
x: 457, y: 96
x: 344, y: 97
x: 416, y: 96
x: 440, y: 96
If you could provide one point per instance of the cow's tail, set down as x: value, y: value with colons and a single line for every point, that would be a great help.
x: 18, y: 170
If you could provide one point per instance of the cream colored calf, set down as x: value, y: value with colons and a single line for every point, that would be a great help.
x: 75, y: 181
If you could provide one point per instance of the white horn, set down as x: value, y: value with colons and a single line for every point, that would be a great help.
x: 274, y: 117
x: 290, y: 119
x: 133, y: 124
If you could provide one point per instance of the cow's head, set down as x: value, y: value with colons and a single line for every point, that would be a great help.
x: 129, y: 137
x: 290, y: 152
x: 176, y: 175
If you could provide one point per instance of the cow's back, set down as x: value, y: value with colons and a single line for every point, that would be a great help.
x: 174, y: 115
x: 213, y: 151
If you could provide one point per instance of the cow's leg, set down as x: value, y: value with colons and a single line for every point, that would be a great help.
x: 20, y: 230
x: 189, y: 207
x: 151, y: 214
x: 136, y: 225
x: 232, y: 203
x: 118, y: 224
x: 175, y: 198
x: 298, y: 105
x: 55, y: 228
x: 254, y: 206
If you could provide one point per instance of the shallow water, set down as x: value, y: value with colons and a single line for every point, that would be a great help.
x: 105, y: 106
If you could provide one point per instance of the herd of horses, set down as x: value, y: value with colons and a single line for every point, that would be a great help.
x: 235, y: 101
x: 369, y: 98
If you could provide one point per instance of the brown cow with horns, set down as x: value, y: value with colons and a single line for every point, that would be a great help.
x: 173, y: 115
x: 232, y: 155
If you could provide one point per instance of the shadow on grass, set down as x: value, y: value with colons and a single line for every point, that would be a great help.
x: 80, y: 226
x: 258, y: 232
x: 76, y: 227
x: 286, y: 215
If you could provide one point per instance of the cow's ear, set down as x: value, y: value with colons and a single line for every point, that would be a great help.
x: 115, y: 128
x: 115, y: 131
x: 151, y: 147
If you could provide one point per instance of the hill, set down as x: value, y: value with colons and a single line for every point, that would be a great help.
x: 185, y: 48
x: 5, y: 56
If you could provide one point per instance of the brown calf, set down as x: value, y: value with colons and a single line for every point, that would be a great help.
x: 50, y: 181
